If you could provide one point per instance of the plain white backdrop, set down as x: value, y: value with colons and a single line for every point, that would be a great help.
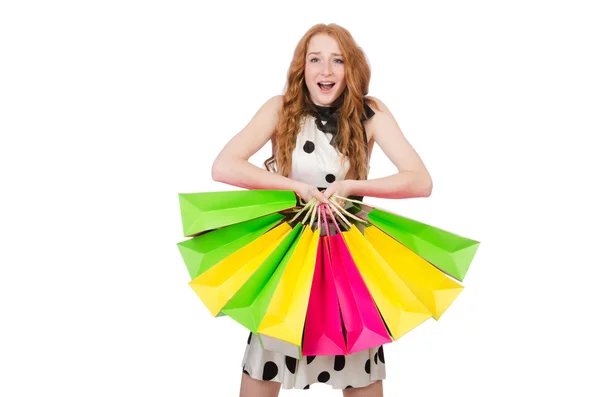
x: 109, y: 109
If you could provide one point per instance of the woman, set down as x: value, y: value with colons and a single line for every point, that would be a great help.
x: 322, y: 132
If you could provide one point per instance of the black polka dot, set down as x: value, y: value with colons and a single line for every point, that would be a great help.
x: 323, y: 377
x: 270, y: 370
x: 309, y: 147
x: 380, y: 354
x: 330, y: 178
x: 249, y: 337
x: 375, y: 358
x: 349, y: 387
x: 368, y: 366
x: 306, y: 387
x: 290, y: 363
x: 309, y: 359
x: 339, y: 363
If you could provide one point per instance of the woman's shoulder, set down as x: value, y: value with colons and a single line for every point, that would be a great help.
x: 269, y: 110
x: 376, y: 105
x: 381, y: 118
x: 274, y: 103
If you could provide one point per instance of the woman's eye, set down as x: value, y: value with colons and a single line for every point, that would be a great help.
x: 337, y: 60
x: 314, y: 60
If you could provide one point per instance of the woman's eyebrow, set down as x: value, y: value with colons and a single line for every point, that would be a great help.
x: 319, y: 53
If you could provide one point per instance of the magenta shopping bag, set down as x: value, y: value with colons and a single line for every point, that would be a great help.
x: 323, y: 333
x: 363, y: 323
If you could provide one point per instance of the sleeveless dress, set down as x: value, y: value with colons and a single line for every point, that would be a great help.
x: 317, y: 162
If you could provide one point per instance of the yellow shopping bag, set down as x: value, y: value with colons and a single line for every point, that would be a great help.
x: 217, y: 285
x: 430, y: 285
x: 399, y: 307
x: 286, y: 313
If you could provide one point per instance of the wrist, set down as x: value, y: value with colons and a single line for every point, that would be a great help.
x: 350, y: 186
x: 298, y: 187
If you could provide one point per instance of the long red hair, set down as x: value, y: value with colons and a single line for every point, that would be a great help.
x: 297, y: 104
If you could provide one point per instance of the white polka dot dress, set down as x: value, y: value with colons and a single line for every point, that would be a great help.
x: 317, y: 162
x: 359, y: 369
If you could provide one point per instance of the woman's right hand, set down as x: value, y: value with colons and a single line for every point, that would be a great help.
x: 307, y: 192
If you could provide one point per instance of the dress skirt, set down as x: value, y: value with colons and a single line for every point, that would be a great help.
x: 358, y: 369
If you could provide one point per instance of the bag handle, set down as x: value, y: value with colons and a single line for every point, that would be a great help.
x: 312, y: 216
x: 347, y: 199
x: 337, y: 206
x: 322, y: 208
x: 319, y: 218
x: 312, y: 209
x: 334, y: 221
x: 308, y: 206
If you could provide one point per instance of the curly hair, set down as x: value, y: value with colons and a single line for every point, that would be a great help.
x: 297, y: 104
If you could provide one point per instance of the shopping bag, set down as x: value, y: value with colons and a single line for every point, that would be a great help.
x: 323, y: 334
x: 400, y: 308
x: 449, y: 252
x: 201, y: 212
x: 204, y: 251
x: 432, y: 287
x: 249, y: 305
x: 362, y: 322
x: 263, y: 300
x: 280, y: 346
x: 285, y: 316
x: 216, y: 286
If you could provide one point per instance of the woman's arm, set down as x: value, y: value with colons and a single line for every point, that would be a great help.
x: 232, y: 166
x: 412, y: 179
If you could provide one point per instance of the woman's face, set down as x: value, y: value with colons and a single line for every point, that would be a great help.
x: 324, y: 72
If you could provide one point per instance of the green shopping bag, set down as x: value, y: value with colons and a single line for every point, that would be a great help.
x: 201, y: 212
x: 204, y: 251
x: 249, y: 305
x: 448, y: 252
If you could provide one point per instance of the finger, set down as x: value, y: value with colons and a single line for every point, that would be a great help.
x: 313, y: 192
x: 331, y: 193
x: 320, y: 196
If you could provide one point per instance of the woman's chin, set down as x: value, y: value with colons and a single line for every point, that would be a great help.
x: 325, y: 99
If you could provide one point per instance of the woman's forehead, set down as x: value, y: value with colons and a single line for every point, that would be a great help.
x: 323, y: 43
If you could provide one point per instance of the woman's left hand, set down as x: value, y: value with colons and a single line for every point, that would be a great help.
x: 339, y: 188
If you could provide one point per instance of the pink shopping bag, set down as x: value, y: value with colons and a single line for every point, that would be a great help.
x: 323, y: 327
x: 363, y: 323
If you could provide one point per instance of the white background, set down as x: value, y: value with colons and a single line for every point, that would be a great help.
x: 109, y: 109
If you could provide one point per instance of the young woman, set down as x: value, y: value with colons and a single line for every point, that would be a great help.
x: 322, y: 131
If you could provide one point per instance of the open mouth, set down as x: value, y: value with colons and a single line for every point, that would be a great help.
x: 325, y: 87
